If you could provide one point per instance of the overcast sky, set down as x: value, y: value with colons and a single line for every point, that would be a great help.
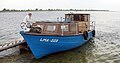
x: 112, y: 5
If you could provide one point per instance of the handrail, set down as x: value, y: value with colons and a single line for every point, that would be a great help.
x: 93, y: 22
x: 92, y: 25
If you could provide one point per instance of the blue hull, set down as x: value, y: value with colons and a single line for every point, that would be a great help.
x: 44, y: 45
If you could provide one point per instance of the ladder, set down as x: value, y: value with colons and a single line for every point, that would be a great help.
x: 10, y: 45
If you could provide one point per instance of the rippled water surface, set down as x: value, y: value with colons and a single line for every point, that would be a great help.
x: 104, y: 48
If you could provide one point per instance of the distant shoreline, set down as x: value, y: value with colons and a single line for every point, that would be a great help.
x: 40, y: 11
x: 30, y: 10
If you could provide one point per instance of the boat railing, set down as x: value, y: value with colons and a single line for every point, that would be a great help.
x: 60, y: 19
x: 92, y: 22
x: 92, y: 25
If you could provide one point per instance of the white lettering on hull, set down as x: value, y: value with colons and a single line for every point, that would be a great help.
x: 48, y: 40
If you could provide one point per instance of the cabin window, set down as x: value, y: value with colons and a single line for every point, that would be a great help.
x: 68, y: 18
x: 73, y: 27
x: 82, y: 18
x: 51, y: 28
x: 72, y: 17
x: 64, y: 27
x: 76, y: 18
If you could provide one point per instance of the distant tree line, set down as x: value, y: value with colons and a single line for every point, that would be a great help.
x: 13, y: 10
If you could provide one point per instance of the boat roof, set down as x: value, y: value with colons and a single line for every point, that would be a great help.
x: 77, y: 13
x: 55, y: 22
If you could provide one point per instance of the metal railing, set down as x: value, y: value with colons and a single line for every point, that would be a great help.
x: 92, y: 25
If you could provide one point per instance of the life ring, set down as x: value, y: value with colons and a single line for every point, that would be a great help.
x: 36, y: 30
x: 85, y: 35
x: 25, y: 26
x: 93, y: 33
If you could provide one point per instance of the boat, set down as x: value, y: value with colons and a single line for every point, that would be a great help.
x: 45, y: 38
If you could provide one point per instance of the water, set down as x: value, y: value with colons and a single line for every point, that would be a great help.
x: 104, y: 49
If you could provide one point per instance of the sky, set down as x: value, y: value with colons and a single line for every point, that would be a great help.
x: 112, y: 5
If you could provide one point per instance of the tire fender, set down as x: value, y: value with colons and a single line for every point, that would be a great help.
x: 93, y: 33
x: 85, y: 35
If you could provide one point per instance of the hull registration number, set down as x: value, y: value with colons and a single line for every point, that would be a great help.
x: 48, y: 40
